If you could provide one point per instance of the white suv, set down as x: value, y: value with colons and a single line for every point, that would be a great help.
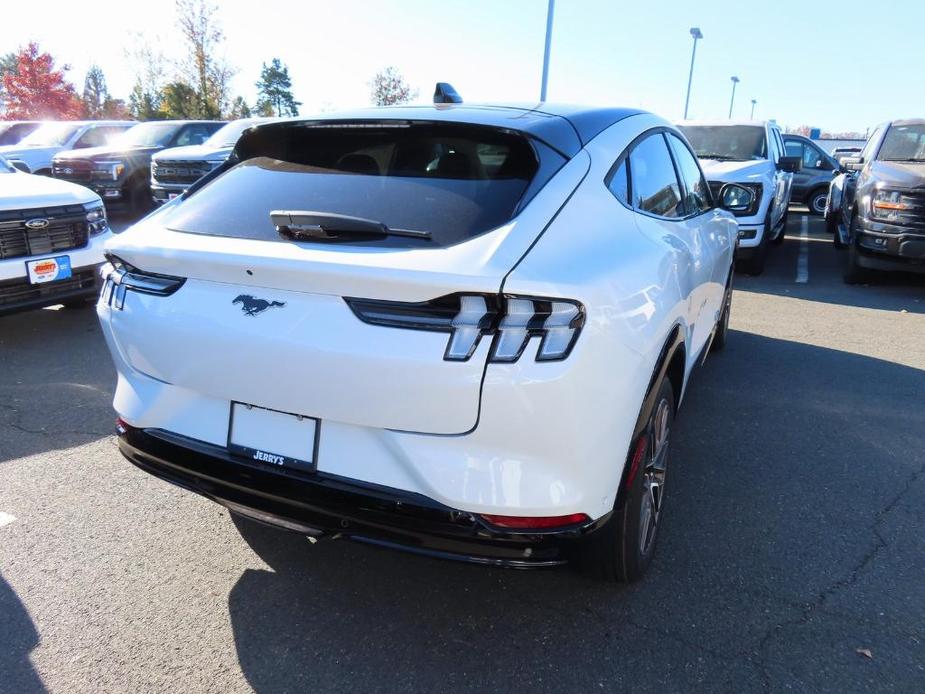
x: 51, y: 241
x: 751, y: 154
x: 37, y: 149
x: 458, y: 330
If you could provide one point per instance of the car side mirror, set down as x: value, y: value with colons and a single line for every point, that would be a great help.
x: 852, y: 163
x: 736, y: 198
x: 790, y: 164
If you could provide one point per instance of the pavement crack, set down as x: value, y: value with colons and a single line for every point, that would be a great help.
x: 817, y: 605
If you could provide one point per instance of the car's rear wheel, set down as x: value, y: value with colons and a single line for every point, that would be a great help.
x: 623, y: 548
x: 816, y: 200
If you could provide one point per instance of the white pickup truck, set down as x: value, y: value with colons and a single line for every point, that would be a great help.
x: 37, y: 149
x: 750, y: 154
x: 51, y: 241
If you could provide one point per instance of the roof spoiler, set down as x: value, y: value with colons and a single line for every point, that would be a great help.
x: 446, y: 94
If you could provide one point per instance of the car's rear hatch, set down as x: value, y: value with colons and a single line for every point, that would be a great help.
x: 263, y: 319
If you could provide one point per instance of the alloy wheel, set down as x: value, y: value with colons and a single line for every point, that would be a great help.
x: 653, y: 481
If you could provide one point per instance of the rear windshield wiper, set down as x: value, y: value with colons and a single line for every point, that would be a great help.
x: 307, y: 225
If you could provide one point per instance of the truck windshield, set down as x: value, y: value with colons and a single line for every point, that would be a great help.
x: 228, y: 135
x: 51, y: 135
x: 904, y: 143
x: 146, y: 135
x: 727, y: 142
x: 452, y: 180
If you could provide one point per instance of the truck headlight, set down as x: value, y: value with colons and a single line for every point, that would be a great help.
x: 96, y: 218
x: 109, y: 169
x: 889, y: 205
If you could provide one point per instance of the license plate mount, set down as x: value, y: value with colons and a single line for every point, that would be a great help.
x: 273, y: 438
x: 49, y: 269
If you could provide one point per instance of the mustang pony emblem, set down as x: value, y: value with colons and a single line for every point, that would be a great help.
x: 252, y: 306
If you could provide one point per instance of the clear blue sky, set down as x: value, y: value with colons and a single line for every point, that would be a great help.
x: 839, y: 65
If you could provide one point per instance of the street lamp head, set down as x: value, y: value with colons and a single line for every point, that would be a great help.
x: 735, y: 79
x: 696, y: 33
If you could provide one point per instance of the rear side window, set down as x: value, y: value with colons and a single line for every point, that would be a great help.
x: 696, y: 190
x: 655, y: 186
x: 619, y: 184
x: 453, y: 180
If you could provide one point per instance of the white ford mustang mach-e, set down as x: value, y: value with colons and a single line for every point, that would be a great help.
x: 457, y: 330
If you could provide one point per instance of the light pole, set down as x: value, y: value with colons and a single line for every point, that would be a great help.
x: 735, y: 81
x: 549, y: 13
x: 754, y: 101
x: 697, y: 34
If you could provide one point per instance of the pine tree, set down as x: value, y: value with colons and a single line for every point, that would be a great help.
x: 275, y: 91
x: 239, y: 109
x: 95, y: 96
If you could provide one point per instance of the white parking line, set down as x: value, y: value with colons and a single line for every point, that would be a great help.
x: 803, y: 259
x: 6, y: 518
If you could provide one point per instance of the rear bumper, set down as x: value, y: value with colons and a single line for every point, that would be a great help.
x: 325, y: 505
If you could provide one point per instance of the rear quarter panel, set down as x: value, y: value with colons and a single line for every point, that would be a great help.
x: 635, y: 289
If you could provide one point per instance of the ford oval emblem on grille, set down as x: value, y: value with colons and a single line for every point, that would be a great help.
x: 36, y: 223
x: 68, y: 170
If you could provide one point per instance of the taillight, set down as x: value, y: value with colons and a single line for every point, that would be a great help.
x: 119, y: 277
x: 510, y: 320
x: 535, y: 522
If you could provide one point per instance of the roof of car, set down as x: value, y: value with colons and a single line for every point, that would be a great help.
x: 714, y: 123
x: 908, y: 121
x: 565, y: 127
x: 179, y: 122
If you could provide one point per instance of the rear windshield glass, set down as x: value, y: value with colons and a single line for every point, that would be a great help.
x: 727, y: 142
x: 453, y: 181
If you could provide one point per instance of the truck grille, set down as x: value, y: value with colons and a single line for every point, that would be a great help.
x: 67, y: 229
x: 77, y: 170
x: 914, y: 215
x: 179, y: 171
x: 19, y: 291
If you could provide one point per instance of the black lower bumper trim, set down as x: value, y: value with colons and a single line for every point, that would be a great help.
x: 320, y: 504
x: 20, y: 295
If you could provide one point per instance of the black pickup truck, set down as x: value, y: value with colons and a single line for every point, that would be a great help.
x: 882, y: 216
x: 120, y: 172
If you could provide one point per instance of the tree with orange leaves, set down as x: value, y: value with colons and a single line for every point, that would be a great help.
x: 37, y: 89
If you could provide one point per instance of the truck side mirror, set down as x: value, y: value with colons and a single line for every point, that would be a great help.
x: 852, y: 163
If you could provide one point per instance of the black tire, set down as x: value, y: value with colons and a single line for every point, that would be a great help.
x: 140, y: 200
x: 853, y: 272
x: 816, y: 200
x: 722, y: 325
x: 623, y: 548
x: 779, y: 239
x: 755, y: 264
x: 831, y: 225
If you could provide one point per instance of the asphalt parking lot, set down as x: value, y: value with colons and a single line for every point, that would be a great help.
x: 791, y: 558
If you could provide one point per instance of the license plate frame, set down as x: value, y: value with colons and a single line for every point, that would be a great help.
x: 38, y: 274
x: 273, y: 438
